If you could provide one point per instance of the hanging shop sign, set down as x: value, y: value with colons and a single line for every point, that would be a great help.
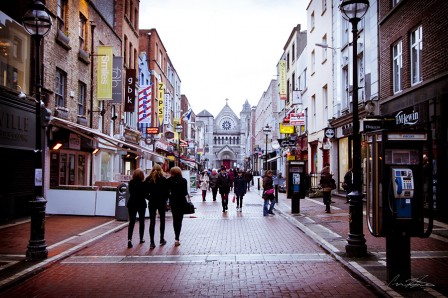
x: 286, y: 129
x: 330, y: 133
x: 160, y: 97
x: 104, y: 81
x: 282, y: 77
x: 129, y: 93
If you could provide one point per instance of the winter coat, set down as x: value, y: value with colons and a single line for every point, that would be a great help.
x: 137, y: 195
x: 239, y: 187
x: 157, y: 193
x: 248, y: 176
x: 223, y: 183
x: 204, y: 182
x: 178, y: 189
x: 213, y: 180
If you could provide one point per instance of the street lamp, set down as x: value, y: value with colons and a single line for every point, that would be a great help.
x: 37, y: 23
x: 266, y: 130
x: 353, y: 11
x: 178, y: 130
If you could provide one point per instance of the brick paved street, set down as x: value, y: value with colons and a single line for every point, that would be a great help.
x: 233, y: 254
x: 222, y: 255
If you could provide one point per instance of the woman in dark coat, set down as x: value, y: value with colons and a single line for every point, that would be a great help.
x: 158, y: 193
x: 178, y: 188
x: 224, y: 188
x: 239, y: 188
x: 268, y: 194
x: 136, y: 204
x: 325, y: 182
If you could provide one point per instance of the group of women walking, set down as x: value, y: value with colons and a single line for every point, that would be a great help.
x: 156, y: 192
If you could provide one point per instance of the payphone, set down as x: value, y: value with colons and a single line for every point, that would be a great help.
x: 394, y: 196
x: 296, y: 183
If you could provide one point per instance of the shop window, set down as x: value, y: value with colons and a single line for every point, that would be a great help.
x: 72, y: 169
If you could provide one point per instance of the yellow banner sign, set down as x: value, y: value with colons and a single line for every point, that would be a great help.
x: 160, y: 98
x: 286, y: 129
x: 104, y: 80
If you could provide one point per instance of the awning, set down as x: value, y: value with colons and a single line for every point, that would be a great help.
x: 104, y: 139
x: 274, y: 158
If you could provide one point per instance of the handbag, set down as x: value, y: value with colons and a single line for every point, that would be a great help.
x: 269, y: 191
x: 189, y: 206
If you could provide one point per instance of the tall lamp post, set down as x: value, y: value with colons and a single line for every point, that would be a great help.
x: 266, y: 130
x: 179, y: 131
x: 37, y: 23
x: 353, y: 11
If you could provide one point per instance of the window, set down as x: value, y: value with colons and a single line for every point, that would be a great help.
x: 82, y: 30
x: 416, y: 56
x: 130, y: 65
x: 287, y: 61
x: 312, y: 21
x: 82, y: 88
x: 345, y: 31
x: 324, y: 50
x: 305, y: 83
x: 125, y: 49
x: 325, y: 101
x: 396, y: 66
x: 293, y: 52
x: 324, y: 6
x: 345, y: 87
x: 72, y: 167
x: 61, y: 11
x: 313, y: 62
x: 59, y: 88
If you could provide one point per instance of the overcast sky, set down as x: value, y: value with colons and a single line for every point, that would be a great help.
x: 223, y: 48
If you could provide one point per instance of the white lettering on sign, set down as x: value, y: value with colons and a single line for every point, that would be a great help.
x: 406, y: 119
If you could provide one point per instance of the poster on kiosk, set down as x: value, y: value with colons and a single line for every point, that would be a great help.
x: 395, y: 182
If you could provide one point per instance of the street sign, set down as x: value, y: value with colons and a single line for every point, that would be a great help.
x: 152, y: 130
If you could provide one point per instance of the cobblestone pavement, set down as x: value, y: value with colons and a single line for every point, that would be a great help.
x: 232, y: 254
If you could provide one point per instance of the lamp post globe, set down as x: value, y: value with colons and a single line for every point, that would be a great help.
x: 37, y: 22
x: 353, y: 11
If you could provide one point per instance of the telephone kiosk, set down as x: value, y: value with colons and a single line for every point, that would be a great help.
x: 394, y: 196
x: 296, y: 183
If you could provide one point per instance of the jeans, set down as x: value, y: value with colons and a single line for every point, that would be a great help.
x: 266, y: 210
x: 248, y: 185
x: 204, y: 194
x: 225, y: 201
x: 327, y: 200
x: 177, y: 223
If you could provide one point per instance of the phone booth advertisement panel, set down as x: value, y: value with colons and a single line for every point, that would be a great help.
x: 394, y: 182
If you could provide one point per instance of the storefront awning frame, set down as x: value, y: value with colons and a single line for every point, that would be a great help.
x: 105, y: 139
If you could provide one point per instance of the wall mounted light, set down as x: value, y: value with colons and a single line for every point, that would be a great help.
x: 95, y: 151
x: 57, y: 146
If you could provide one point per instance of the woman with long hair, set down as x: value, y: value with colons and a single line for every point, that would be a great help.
x: 157, y: 190
x: 136, y: 204
x: 268, y: 194
x: 178, y: 188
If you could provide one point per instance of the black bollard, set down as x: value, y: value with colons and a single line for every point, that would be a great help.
x: 295, y: 202
x: 276, y: 193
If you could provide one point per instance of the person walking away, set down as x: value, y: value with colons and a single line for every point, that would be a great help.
x: 224, y: 188
x: 136, y: 204
x: 178, y: 189
x: 248, y: 178
x: 268, y: 193
x: 204, y: 184
x: 213, y: 183
x: 239, y: 189
x: 157, y: 189
x: 325, y: 182
x: 347, y: 185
